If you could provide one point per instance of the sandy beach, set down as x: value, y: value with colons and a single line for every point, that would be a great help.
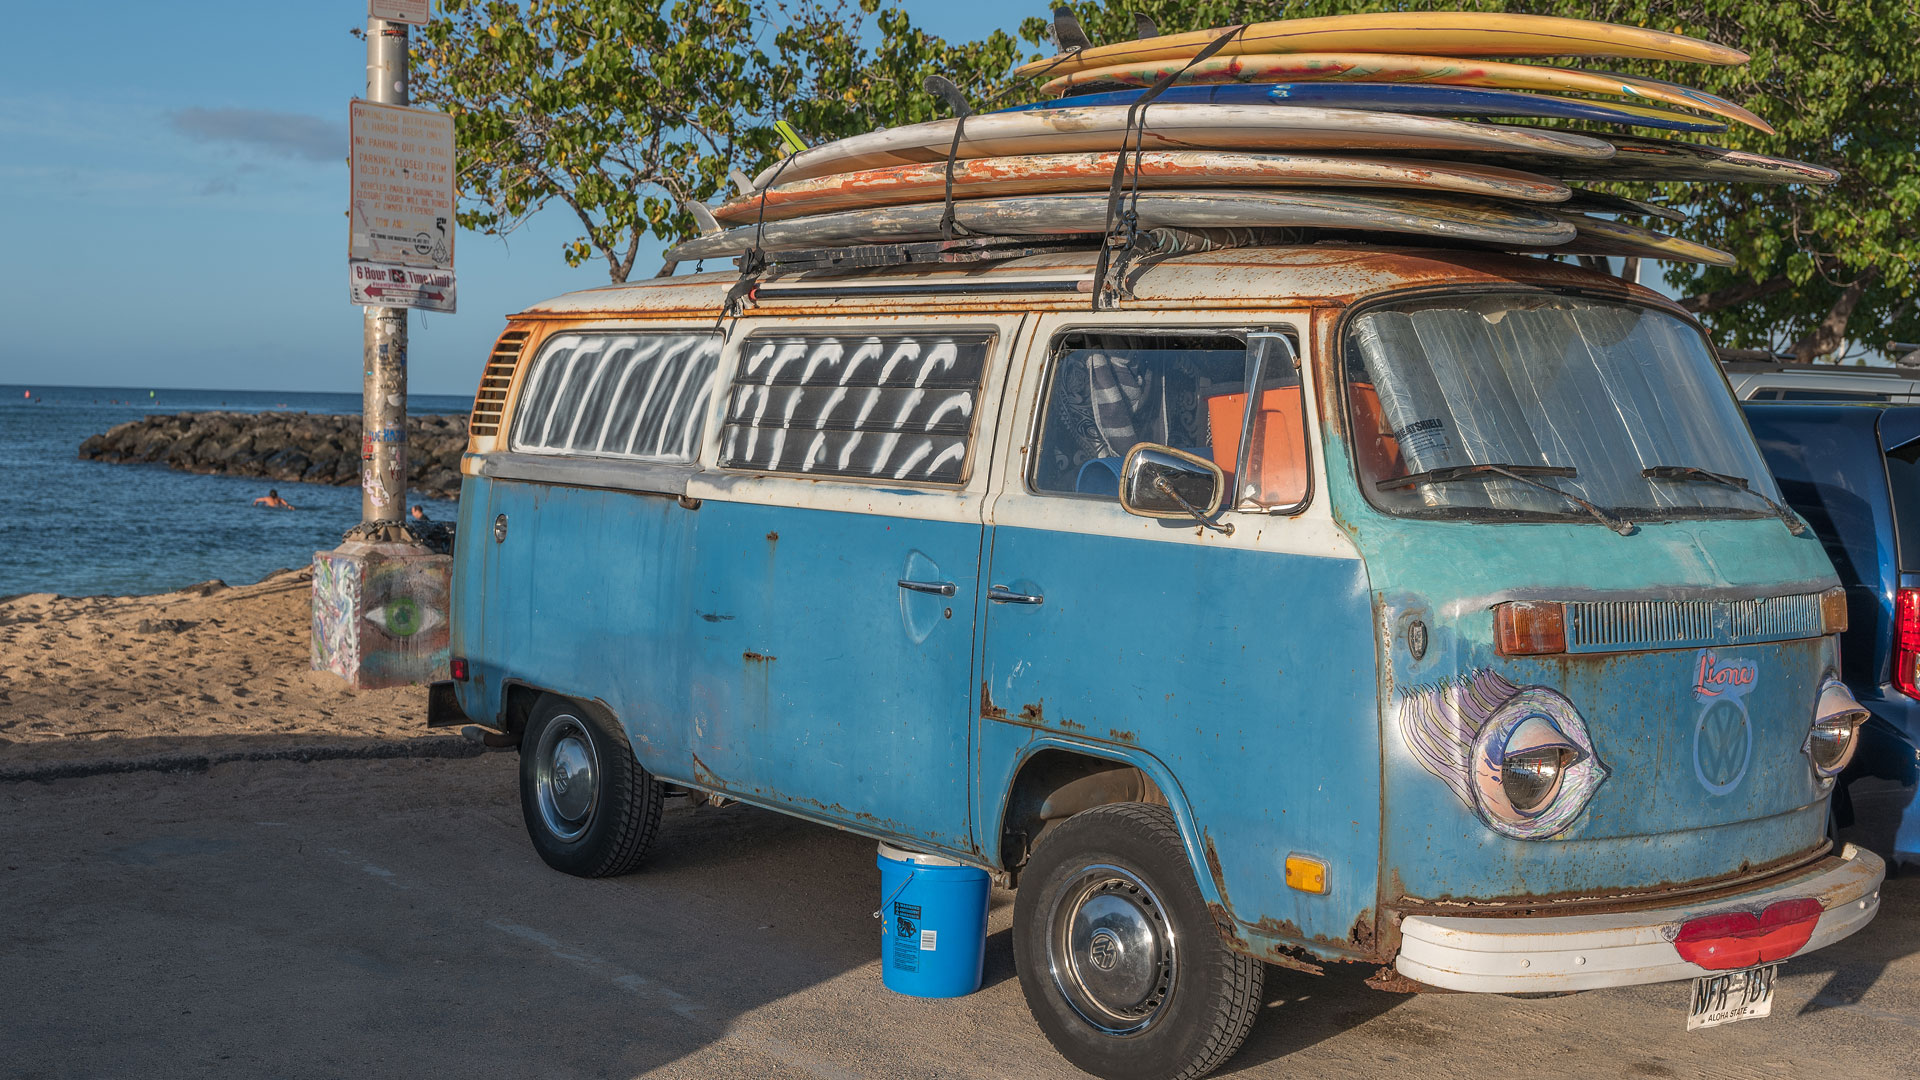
x: 207, y: 668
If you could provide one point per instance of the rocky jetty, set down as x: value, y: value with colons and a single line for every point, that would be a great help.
x: 290, y: 447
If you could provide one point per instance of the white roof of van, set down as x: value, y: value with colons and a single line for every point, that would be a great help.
x: 1251, y: 277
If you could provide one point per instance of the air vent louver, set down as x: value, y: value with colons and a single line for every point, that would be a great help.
x: 491, y: 400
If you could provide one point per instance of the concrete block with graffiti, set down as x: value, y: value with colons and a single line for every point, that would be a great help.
x: 380, y: 614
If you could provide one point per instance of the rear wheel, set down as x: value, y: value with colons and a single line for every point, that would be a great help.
x: 591, y: 810
x: 1121, y: 965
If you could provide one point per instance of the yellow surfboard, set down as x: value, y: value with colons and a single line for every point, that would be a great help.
x: 1398, y: 68
x: 1429, y: 33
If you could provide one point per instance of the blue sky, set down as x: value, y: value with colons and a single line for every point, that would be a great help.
x: 174, y: 181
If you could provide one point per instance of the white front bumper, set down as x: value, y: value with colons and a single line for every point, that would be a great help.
x: 1523, y: 954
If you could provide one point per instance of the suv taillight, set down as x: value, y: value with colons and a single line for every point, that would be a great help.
x: 1906, y: 642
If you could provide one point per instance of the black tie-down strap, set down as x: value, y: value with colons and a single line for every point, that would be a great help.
x: 753, y: 262
x: 1123, y: 208
x: 943, y: 88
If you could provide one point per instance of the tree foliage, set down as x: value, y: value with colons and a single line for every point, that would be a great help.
x: 627, y: 111
x: 1840, y: 80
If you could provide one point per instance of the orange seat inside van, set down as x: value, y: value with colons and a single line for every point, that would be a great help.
x: 1278, y: 470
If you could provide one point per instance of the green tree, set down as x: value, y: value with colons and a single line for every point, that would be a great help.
x: 626, y: 112
x: 1818, y: 267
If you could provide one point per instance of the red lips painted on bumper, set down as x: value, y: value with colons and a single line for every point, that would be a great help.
x: 1728, y: 940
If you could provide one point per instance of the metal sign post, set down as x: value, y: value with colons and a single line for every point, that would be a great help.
x: 380, y: 598
x: 383, y: 435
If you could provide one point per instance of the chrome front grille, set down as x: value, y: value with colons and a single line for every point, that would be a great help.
x: 1625, y: 625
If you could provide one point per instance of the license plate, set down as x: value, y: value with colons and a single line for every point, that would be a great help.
x: 1732, y: 995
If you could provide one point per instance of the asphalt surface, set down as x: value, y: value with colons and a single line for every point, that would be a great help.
x: 388, y: 918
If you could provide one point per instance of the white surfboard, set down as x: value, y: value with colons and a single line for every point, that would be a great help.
x: 1176, y: 127
x: 1481, y: 221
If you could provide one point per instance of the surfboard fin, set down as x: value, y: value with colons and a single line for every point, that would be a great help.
x: 702, y: 217
x: 742, y: 183
x: 1144, y: 26
x: 1067, y: 32
x: 942, y: 87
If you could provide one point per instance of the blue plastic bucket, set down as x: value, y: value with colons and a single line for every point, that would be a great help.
x: 933, y: 920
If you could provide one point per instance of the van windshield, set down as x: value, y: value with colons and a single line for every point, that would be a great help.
x: 1578, y: 402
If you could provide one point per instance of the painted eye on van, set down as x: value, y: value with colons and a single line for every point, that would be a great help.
x: 1520, y: 771
x: 1520, y: 758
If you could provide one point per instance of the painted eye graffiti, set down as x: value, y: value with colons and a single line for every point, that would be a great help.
x: 407, y: 601
x: 403, y: 616
x: 1520, y: 758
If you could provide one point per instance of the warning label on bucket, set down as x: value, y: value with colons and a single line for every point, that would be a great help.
x: 907, y: 936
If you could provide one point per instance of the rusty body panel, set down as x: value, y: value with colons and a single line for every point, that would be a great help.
x: 1327, y: 277
x: 1048, y: 173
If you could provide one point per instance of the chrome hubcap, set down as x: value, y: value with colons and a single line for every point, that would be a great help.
x: 567, y: 778
x: 1111, y: 950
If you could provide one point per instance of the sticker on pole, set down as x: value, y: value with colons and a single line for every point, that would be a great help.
x: 401, y: 211
x: 411, y: 12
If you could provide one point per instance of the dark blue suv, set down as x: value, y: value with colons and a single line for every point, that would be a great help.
x: 1853, y: 472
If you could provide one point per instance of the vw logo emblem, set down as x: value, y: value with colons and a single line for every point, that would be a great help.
x: 1104, y: 950
x: 1722, y: 747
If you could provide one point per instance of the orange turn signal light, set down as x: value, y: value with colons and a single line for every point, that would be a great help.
x: 1833, y: 611
x: 1306, y: 873
x: 1530, y: 627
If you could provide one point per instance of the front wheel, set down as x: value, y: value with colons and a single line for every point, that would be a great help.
x: 1121, y: 965
x: 591, y: 810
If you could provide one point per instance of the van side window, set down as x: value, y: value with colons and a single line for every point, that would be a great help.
x: 640, y: 396
x: 1111, y: 392
x: 894, y: 406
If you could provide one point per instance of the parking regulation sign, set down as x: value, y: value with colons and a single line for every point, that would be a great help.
x: 413, y: 12
x: 401, y: 212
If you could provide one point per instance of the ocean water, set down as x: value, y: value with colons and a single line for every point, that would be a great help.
x: 84, y: 528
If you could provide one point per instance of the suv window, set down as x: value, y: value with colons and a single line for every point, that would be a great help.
x: 1903, y: 482
x: 1109, y: 392
x: 893, y: 406
x: 640, y: 396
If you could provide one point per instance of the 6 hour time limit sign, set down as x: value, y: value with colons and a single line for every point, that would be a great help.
x: 400, y: 237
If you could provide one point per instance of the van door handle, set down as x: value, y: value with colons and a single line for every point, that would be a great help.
x: 937, y: 588
x: 1000, y: 594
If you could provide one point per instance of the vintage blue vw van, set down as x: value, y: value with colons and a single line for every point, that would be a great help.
x: 1431, y: 610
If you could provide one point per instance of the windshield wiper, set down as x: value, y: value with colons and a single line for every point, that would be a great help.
x: 1522, y: 473
x: 1739, y: 483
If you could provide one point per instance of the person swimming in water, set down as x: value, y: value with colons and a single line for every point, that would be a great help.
x: 272, y: 501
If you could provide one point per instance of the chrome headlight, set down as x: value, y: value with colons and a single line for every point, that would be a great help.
x: 1520, y: 758
x: 1836, y: 729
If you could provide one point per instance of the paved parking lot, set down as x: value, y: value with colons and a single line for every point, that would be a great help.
x: 388, y: 919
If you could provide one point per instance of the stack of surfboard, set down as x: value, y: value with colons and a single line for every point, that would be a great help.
x: 1365, y: 124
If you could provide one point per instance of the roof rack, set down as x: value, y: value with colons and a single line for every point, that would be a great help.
x: 965, y: 249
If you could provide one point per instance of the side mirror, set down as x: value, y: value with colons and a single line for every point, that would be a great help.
x: 1161, y: 482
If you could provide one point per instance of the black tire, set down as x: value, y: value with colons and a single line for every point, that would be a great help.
x: 1188, y: 999
x: 606, y: 830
